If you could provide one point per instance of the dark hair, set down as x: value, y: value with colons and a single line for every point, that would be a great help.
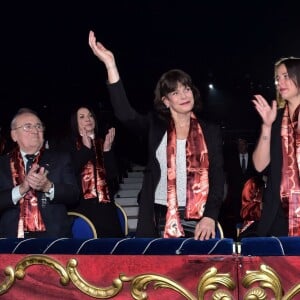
x: 292, y: 65
x: 74, y: 122
x: 22, y: 111
x: 167, y: 83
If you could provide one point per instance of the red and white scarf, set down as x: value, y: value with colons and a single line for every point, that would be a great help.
x: 197, y: 178
x: 93, y: 176
x: 30, y: 218
x: 290, y: 183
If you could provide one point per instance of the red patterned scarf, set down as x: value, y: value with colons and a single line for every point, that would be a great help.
x: 251, y: 201
x: 93, y: 176
x: 197, y: 178
x: 290, y: 184
x: 30, y: 216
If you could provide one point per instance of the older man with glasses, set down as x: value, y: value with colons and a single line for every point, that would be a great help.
x: 36, y: 184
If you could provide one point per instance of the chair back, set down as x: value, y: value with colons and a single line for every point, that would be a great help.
x: 123, y: 218
x: 219, y: 231
x: 82, y: 227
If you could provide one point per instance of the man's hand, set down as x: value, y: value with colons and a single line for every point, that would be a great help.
x: 37, y: 178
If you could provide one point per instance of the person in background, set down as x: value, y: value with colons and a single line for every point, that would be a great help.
x: 183, y: 182
x: 238, y: 169
x: 278, y: 153
x: 96, y: 171
x: 36, y: 184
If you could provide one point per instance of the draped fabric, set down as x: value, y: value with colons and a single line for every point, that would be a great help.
x: 251, y: 201
x: 93, y: 176
x: 197, y: 178
x: 30, y: 218
x: 290, y: 183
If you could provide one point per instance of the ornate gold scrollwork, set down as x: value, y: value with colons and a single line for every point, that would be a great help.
x: 139, y: 284
x: 8, y: 281
x: 267, y: 278
x: 89, y: 289
x: 210, y: 281
x: 19, y: 271
x: 41, y: 260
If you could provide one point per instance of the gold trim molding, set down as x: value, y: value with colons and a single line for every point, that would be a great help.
x: 210, y: 281
x: 267, y: 279
x: 220, y: 285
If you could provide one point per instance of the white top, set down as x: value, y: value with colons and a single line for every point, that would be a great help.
x: 161, y: 189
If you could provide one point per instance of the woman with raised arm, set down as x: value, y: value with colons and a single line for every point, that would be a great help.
x: 278, y: 153
x: 183, y: 182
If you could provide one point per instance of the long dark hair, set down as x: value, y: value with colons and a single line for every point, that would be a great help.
x: 74, y: 122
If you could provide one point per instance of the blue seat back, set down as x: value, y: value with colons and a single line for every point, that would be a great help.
x: 82, y: 227
x: 122, y: 218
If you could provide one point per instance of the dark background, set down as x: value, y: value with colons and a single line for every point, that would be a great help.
x: 46, y: 62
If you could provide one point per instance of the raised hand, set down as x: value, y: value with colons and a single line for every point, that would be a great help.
x: 101, y: 52
x: 106, y: 57
x: 109, y: 138
x: 268, y: 113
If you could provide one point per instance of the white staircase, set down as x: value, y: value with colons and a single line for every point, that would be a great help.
x: 128, y: 193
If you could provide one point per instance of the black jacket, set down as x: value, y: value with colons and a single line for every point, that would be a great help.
x: 155, y: 128
x: 54, y: 213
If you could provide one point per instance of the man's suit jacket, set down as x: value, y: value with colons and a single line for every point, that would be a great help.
x: 54, y: 212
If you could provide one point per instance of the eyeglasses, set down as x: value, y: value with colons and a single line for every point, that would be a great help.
x: 29, y: 127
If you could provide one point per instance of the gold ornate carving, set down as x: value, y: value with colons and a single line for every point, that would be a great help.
x: 89, y: 289
x: 267, y: 278
x: 8, y: 281
x: 19, y: 271
x: 292, y: 292
x: 41, y: 260
x: 139, y: 284
x: 210, y: 281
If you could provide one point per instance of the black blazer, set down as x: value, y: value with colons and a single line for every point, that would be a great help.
x: 273, y: 221
x: 54, y: 213
x: 155, y: 128
x: 81, y: 156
